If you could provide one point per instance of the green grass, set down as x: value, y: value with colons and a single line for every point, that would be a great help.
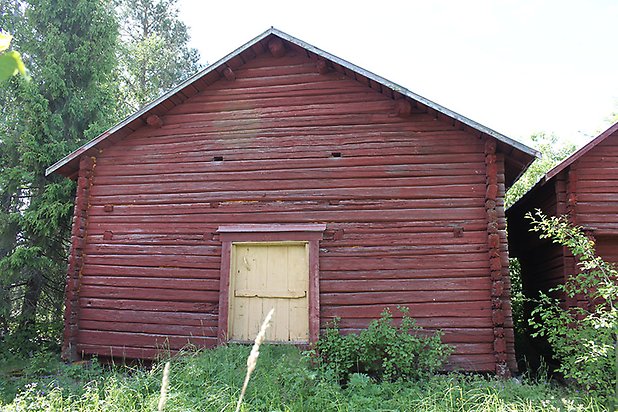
x: 283, y: 381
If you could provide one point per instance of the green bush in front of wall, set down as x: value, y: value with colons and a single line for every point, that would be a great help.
x: 584, y: 337
x: 383, y: 351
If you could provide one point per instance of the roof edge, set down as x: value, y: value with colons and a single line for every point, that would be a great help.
x: 553, y: 172
x: 88, y: 145
x: 394, y: 86
x: 582, y: 151
x: 372, y: 76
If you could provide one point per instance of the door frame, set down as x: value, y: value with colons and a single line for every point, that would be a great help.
x: 310, y: 233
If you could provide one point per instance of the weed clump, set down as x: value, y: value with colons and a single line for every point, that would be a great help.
x: 383, y: 351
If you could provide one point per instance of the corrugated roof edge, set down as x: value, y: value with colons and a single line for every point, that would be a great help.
x: 317, y: 51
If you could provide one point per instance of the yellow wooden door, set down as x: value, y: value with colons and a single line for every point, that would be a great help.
x: 267, y: 275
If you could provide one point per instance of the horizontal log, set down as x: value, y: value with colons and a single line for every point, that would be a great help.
x: 360, y: 297
x: 473, y: 348
x: 202, y: 104
x: 175, y: 261
x: 293, y: 86
x: 125, y: 352
x: 406, y: 228
x: 308, y: 108
x: 473, y: 183
x: 344, y: 275
x: 173, y: 239
x: 152, y: 282
x: 145, y: 340
x: 468, y: 362
x: 453, y: 262
x: 417, y: 310
x: 150, y: 293
x: 443, y: 192
x: 424, y: 134
x: 323, y: 120
x: 327, y: 168
x: 442, y: 323
x: 168, y: 147
x: 593, y: 208
x: 293, y: 217
x: 99, y: 248
x: 206, y: 330
x: 149, y: 305
x: 109, y: 269
x: 391, y: 285
x: 271, y: 206
x: 151, y: 317
x: 359, y: 249
x: 438, y: 163
x: 234, y: 159
x: 299, y: 127
x: 331, y: 170
x: 350, y: 239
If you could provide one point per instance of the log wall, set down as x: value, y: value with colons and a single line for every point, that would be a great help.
x: 280, y: 140
x: 76, y: 258
x: 597, y: 187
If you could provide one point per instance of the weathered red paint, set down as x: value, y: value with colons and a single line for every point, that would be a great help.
x: 584, y: 187
x: 412, y: 206
x: 76, y: 258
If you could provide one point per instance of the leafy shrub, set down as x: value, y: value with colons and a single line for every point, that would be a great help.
x: 584, y: 339
x: 382, y: 351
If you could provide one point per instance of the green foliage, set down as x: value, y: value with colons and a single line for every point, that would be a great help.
x: 383, y: 351
x: 583, y: 337
x: 75, y: 55
x: 10, y: 61
x: 69, y: 48
x: 517, y: 298
x: 154, y: 55
x: 552, y: 153
x: 210, y: 380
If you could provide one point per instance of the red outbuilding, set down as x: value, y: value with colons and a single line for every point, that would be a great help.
x: 584, y: 187
x: 282, y: 176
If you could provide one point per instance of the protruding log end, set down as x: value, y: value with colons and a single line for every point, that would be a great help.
x: 403, y: 108
x: 154, y: 121
x: 322, y: 66
x: 490, y: 146
x: 229, y: 74
x: 276, y: 47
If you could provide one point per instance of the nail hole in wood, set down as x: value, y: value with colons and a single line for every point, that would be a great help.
x: 335, y: 154
x: 217, y: 158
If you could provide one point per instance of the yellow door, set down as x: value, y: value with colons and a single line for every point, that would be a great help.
x: 267, y: 275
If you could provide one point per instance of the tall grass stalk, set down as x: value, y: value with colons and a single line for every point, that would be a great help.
x: 165, y: 383
x: 253, y: 356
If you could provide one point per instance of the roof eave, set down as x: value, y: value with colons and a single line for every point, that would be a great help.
x: 89, y: 145
x: 582, y: 151
x: 74, y: 156
x: 395, y: 87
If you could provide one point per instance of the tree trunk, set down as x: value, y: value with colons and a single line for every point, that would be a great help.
x: 31, y: 301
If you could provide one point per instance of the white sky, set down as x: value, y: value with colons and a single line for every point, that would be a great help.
x: 516, y: 66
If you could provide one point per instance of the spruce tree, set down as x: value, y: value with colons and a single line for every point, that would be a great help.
x: 154, y: 54
x: 69, y: 48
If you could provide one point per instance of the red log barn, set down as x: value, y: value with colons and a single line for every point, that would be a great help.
x: 584, y: 187
x: 283, y: 176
